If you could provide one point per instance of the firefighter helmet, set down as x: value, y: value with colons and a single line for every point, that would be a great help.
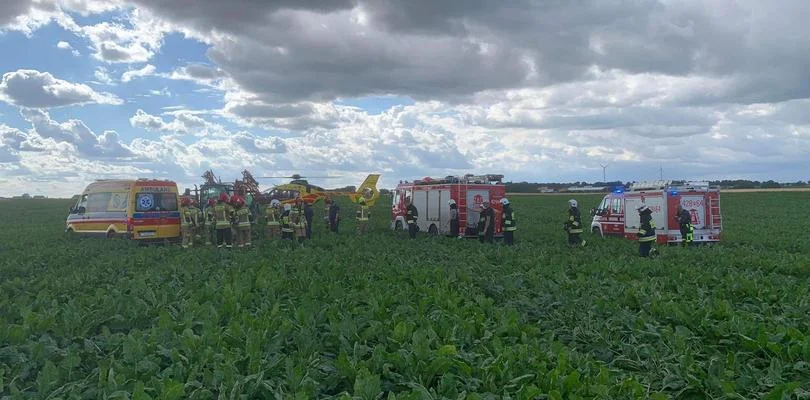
x: 238, y: 201
x: 572, y: 203
x: 212, y: 202
x: 451, y: 202
x: 504, y: 201
x: 274, y: 203
x: 223, y: 197
x: 287, y: 207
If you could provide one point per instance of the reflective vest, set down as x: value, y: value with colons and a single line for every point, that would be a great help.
x: 574, y: 223
x: 271, y: 215
x: 285, y: 222
x: 362, y: 213
x: 509, y: 220
x: 190, y: 215
x: 209, y: 216
x: 222, y: 214
x: 646, y: 233
x: 411, y: 214
x: 243, y: 217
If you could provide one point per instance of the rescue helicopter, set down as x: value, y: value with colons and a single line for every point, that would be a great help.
x: 287, y: 193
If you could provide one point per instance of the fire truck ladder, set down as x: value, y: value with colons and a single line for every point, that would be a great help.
x: 714, y: 211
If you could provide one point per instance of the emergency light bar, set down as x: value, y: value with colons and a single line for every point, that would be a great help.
x: 649, y: 185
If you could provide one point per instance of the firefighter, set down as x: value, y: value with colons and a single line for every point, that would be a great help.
x: 646, y: 232
x: 199, y: 232
x: 189, y: 221
x: 574, y: 224
x: 309, y: 214
x: 508, y: 222
x: 685, y: 222
x: 327, y: 204
x: 486, y: 224
x: 411, y: 215
x: 334, y: 216
x: 453, y: 218
x: 242, y: 220
x: 297, y: 220
x: 210, y: 223
x: 362, y: 216
x: 272, y: 215
x: 223, y: 215
x: 287, y: 230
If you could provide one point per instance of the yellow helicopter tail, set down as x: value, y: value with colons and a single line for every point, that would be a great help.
x: 367, y: 190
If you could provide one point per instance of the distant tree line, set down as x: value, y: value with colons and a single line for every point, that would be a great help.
x: 530, y: 187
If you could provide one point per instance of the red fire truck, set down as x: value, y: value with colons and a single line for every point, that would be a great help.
x: 430, y: 196
x: 617, y: 215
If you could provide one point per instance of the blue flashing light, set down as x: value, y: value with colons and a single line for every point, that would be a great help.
x: 674, y: 192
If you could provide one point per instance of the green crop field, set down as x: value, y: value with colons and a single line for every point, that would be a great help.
x: 387, y: 317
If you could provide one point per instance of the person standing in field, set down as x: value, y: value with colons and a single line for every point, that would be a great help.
x: 309, y: 214
x: 362, y: 216
x: 210, y: 223
x: 287, y: 231
x: 327, y: 206
x: 223, y: 215
x: 272, y: 217
x: 508, y: 222
x: 297, y: 220
x: 189, y: 221
x: 454, y: 219
x: 334, y: 216
x: 574, y: 224
x: 411, y: 215
x: 685, y: 222
x: 242, y: 221
x: 646, y: 232
x: 486, y: 224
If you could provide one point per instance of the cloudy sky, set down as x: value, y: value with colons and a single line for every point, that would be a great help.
x: 535, y: 90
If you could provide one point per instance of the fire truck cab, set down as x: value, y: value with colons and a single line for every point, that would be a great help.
x: 617, y: 215
x: 431, y: 196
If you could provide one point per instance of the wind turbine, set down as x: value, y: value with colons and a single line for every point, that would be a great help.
x: 604, y: 167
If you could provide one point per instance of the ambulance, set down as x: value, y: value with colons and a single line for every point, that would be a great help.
x: 617, y: 215
x: 142, y: 210
x: 431, y: 196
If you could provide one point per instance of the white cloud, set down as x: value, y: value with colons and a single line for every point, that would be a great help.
x: 32, y: 88
x: 66, y: 46
x: 185, y: 122
x: 147, y: 70
x: 76, y: 134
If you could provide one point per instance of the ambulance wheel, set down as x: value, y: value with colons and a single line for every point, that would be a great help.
x: 433, y: 231
x: 398, y: 226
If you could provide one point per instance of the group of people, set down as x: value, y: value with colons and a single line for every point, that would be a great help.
x: 227, y: 221
x: 646, y: 232
x: 224, y: 219
x: 228, y: 218
x: 485, y: 226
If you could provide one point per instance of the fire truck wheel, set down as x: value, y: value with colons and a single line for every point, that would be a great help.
x: 433, y: 231
x: 398, y: 226
x: 595, y: 231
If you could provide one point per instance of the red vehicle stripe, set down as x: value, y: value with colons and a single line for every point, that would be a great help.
x: 96, y: 221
